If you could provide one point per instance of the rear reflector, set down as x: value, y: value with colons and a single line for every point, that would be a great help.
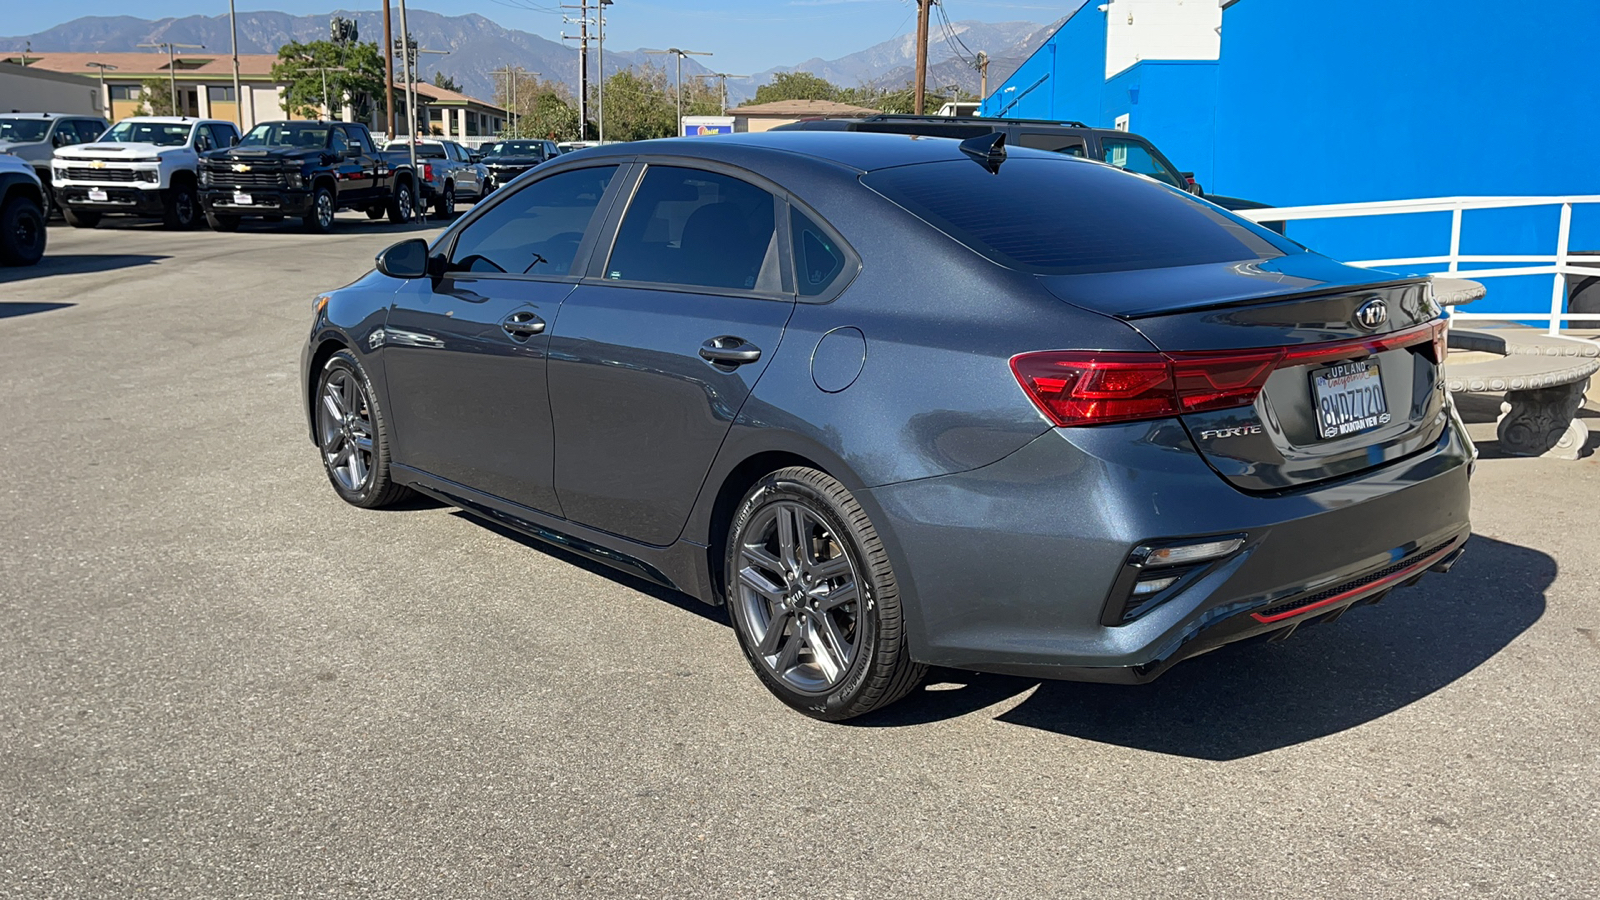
x: 1086, y: 387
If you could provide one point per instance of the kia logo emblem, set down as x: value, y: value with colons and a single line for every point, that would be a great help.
x: 1372, y: 313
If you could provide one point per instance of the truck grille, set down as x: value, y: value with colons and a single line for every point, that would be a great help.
x: 225, y: 177
x: 84, y: 173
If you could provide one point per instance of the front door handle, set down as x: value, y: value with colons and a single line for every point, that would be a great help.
x: 523, y: 325
x: 729, y: 350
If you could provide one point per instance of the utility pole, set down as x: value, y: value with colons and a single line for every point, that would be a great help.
x: 582, y: 37
x: 680, y: 54
x: 327, y: 110
x: 104, y: 97
x: 172, y: 66
x: 923, y: 7
x: 388, y: 73
x: 983, y: 77
x: 722, y: 79
x: 600, y: 89
x: 238, y: 100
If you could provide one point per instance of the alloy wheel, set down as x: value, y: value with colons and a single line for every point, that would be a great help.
x: 402, y: 198
x: 324, y: 210
x: 344, y: 428
x: 800, y: 595
x: 184, y: 208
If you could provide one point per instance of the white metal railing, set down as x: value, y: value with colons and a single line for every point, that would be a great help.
x: 1559, y: 264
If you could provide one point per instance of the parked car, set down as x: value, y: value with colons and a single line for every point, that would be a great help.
x: 306, y: 169
x: 508, y: 159
x: 1119, y: 148
x: 907, y: 403
x: 142, y: 166
x: 447, y: 173
x: 36, y: 136
x: 22, y: 220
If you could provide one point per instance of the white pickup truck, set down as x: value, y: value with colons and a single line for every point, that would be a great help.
x: 142, y: 166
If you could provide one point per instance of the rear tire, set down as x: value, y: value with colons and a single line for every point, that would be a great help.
x: 85, y: 219
x: 446, y: 207
x: 22, y: 232
x: 352, y: 435
x: 222, y: 223
x: 813, y: 599
x: 182, y: 210
x: 402, y: 206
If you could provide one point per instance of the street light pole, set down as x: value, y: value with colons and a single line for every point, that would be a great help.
x: 104, y: 97
x: 238, y: 100
x: 680, y: 54
x: 172, y: 65
x: 600, y: 89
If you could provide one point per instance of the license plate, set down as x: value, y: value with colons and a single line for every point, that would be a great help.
x: 98, y: 195
x: 1349, y: 398
x: 243, y: 200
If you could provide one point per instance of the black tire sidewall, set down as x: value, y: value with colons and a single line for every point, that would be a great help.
x: 12, y: 251
x: 842, y: 700
x: 313, y: 222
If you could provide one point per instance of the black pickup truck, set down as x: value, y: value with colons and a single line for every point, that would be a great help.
x: 309, y: 170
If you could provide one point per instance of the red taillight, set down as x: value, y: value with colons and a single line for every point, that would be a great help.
x: 427, y: 171
x: 1083, y: 387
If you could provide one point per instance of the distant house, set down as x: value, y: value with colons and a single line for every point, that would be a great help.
x: 767, y: 116
x: 204, y: 83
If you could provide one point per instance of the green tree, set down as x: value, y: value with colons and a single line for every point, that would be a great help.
x: 797, y: 86
x: 542, y: 109
x: 299, y: 69
x: 440, y: 79
x: 641, y: 104
x: 157, y: 96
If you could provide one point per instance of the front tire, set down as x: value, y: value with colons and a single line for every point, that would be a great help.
x: 22, y: 233
x: 182, y: 210
x: 320, y: 220
x: 221, y: 222
x: 77, y: 219
x: 814, y: 601
x: 353, y: 436
x: 446, y: 207
x: 402, y: 206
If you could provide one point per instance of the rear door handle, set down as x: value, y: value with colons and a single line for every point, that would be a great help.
x: 523, y: 325
x: 729, y: 350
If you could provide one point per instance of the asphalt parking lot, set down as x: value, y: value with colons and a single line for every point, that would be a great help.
x: 217, y: 680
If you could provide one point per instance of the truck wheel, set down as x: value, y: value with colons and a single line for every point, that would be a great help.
x: 402, y: 206
x: 321, y: 219
x: 222, y: 223
x: 22, y: 233
x: 182, y: 210
x: 84, y: 219
x: 446, y: 207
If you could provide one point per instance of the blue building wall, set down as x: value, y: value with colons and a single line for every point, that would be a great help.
x: 1367, y: 100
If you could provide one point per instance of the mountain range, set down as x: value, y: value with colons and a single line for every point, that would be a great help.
x: 476, y: 46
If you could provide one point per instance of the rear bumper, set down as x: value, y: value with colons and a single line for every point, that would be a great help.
x: 1010, y: 568
x: 119, y: 199
x: 263, y: 202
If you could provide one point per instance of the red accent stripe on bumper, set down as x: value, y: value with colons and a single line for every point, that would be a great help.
x: 1380, y: 584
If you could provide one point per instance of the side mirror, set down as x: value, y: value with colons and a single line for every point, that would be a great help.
x: 407, y: 259
x: 61, y: 139
x: 233, y: 141
x: 475, y: 157
x: 1193, y: 186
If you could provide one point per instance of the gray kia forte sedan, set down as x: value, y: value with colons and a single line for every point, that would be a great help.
x: 903, y: 401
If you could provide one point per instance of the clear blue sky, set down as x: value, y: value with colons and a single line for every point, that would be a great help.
x: 746, y: 36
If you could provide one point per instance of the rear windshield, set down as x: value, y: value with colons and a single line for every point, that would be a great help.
x: 1066, y: 216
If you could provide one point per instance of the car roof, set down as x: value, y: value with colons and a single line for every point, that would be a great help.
x: 49, y: 115
x: 174, y: 120
x: 861, y: 151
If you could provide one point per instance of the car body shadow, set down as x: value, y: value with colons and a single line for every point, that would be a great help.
x: 76, y: 264
x: 8, y: 310
x: 1255, y: 697
x: 633, y: 582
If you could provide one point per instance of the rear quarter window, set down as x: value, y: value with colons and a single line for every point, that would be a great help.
x: 1065, y: 216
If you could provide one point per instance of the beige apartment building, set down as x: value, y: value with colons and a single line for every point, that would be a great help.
x: 38, y: 82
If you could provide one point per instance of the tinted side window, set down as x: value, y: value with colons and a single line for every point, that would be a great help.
x: 336, y: 142
x: 1063, y: 217
x: 686, y: 226
x: 360, y: 139
x: 202, y: 139
x: 1055, y: 143
x: 817, y: 261
x: 1136, y: 157
x: 536, y: 230
x: 223, y: 135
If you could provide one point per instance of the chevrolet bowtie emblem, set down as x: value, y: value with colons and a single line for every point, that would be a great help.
x: 97, y: 164
x: 240, y: 167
